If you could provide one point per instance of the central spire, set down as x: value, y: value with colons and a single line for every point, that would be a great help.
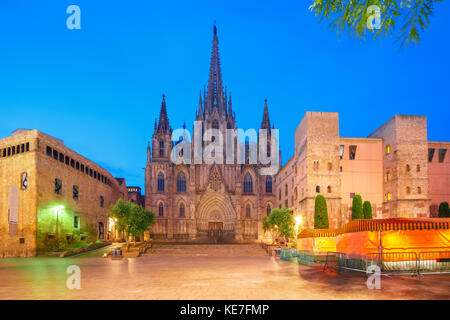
x: 215, y: 98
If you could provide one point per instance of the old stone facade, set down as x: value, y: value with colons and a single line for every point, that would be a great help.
x: 396, y: 168
x: 50, y: 196
x: 201, y: 200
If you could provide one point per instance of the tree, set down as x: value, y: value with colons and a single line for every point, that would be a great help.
x: 367, y: 210
x: 320, y: 213
x: 358, y: 17
x: 131, y: 219
x: 357, y: 209
x: 444, y: 210
x: 280, y: 223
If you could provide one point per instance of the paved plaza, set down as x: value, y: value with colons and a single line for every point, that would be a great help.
x: 200, y: 275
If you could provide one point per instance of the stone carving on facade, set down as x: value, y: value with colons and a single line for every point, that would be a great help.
x: 215, y: 179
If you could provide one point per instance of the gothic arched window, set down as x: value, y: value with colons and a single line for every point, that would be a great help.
x: 161, y: 209
x: 268, y: 210
x: 248, y: 211
x: 161, y: 148
x: 248, y: 183
x: 160, y: 181
x: 182, y: 210
x: 181, y: 182
x: 268, y: 184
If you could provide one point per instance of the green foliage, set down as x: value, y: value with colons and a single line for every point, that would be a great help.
x: 444, y: 210
x: 367, y: 210
x: 280, y: 223
x: 320, y: 213
x: 351, y: 16
x: 132, y: 218
x: 357, y: 209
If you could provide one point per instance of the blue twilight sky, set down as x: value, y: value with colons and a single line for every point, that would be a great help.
x: 99, y: 88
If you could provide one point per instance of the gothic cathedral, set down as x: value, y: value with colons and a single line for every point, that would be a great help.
x: 204, y: 200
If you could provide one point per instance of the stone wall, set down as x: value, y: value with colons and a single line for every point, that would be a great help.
x: 49, y: 220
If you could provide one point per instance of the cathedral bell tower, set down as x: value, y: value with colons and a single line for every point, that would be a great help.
x: 162, y: 137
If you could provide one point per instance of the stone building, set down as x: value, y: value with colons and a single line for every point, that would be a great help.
x: 50, y: 196
x: 396, y: 168
x: 135, y: 195
x: 201, y: 200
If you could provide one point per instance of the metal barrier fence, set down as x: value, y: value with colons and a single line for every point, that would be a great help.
x: 395, y: 262
x: 434, y: 262
x: 388, y: 262
x: 288, y: 254
x: 305, y: 258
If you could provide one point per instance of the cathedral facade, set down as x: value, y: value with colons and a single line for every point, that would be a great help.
x: 200, y: 200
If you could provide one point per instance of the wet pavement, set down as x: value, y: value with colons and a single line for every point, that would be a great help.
x: 155, y: 276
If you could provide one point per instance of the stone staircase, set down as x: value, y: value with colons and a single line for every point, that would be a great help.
x: 165, y: 249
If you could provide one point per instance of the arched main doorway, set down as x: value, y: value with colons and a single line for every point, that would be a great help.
x: 215, y: 217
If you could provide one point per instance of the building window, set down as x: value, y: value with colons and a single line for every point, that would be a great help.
x: 408, y: 169
x: 77, y: 166
x: 268, y: 210
x: 388, y: 196
x: 182, y: 210
x: 181, y: 182
x: 316, y: 165
x: 49, y: 151
x: 340, y: 169
x: 23, y: 148
x: 160, y: 181
x: 75, y: 193
x: 408, y: 190
x: 161, y: 209
x: 442, y: 153
x: 248, y: 183
x: 215, y: 124
x: 286, y: 189
x: 161, y: 148
x: 55, y: 154
x: 102, y: 202
x: 352, y: 152
x: 279, y: 194
x: 286, y: 203
x: 418, y: 168
x: 430, y: 154
x: 295, y: 193
x: 317, y: 189
x: 388, y: 149
x: 28, y: 146
x: 72, y: 163
x: 329, y: 189
x: 76, y: 222
x: 341, y: 151
x: 268, y: 184
x: 61, y: 158
x: 247, y: 211
x: 419, y: 190
x: 90, y: 172
x: 388, y: 176
x: 82, y: 168
x: 67, y: 160
x: 58, y: 186
x: 330, y: 166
